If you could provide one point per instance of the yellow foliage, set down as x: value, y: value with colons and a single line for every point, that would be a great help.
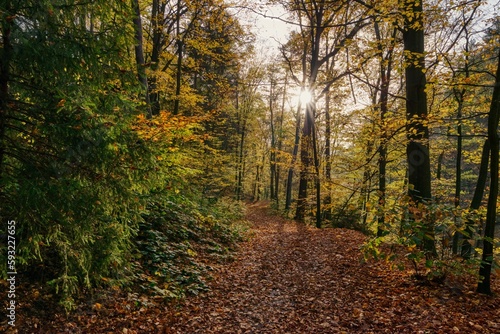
x: 166, y: 128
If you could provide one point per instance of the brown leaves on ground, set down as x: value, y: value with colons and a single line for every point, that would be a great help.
x: 289, y: 278
x: 295, y: 279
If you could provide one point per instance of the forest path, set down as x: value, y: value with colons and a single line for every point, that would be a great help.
x: 290, y: 278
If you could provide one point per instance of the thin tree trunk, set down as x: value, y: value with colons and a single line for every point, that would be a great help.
x: 439, y: 165
x: 477, y: 198
x: 256, y: 184
x: 385, y: 79
x: 459, y: 96
x: 178, y: 75
x: 458, y: 170
x: 328, y: 156
x: 239, y: 185
x: 280, y: 143
x: 318, y: 174
x: 491, y: 213
x: 288, y: 200
x: 139, y: 56
x: 272, y: 157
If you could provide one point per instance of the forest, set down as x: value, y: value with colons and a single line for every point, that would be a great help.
x: 147, y: 145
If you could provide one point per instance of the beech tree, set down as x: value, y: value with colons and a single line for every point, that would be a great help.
x: 491, y: 214
x: 418, y: 155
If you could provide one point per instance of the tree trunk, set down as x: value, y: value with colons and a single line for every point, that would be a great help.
x: 306, y: 163
x: 279, y: 145
x: 288, y: 200
x: 477, y: 198
x: 318, y: 174
x: 178, y: 75
x: 491, y: 213
x: 417, y: 150
x: 157, y: 14
x: 385, y: 76
x: 139, y: 56
x: 328, y: 156
x: 459, y: 96
x: 272, y: 157
x: 458, y: 169
x: 239, y: 184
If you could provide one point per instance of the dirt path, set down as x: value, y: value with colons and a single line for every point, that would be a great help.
x: 293, y: 279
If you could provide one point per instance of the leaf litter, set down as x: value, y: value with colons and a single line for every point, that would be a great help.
x: 287, y: 278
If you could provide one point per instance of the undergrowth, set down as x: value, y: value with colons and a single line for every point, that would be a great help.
x: 178, y: 242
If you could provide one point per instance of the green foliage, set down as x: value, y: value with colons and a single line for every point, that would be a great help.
x: 66, y: 176
x: 175, y: 239
x: 404, y: 235
x: 82, y: 169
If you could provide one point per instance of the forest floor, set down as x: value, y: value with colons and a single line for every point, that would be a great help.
x: 290, y: 278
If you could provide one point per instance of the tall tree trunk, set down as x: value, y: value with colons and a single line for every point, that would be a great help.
x: 491, y: 213
x: 139, y: 56
x: 178, y: 74
x: 328, y: 156
x: 460, y: 97
x: 157, y: 15
x: 289, y: 180
x: 317, y: 179
x: 306, y: 160
x: 241, y: 157
x: 256, y: 184
x: 458, y: 168
x: 477, y: 198
x: 417, y: 150
x: 385, y: 79
x: 272, y: 157
x: 279, y: 145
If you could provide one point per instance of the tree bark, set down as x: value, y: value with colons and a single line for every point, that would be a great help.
x: 241, y: 157
x: 328, y: 156
x: 289, y: 180
x: 317, y: 179
x: 157, y: 16
x: 385, y: 79
x: 491, y: 213
x: 178, y: 74
x: 417, y: 149
x: 272, y: 157
x: 306, y: 160
x: 139, y: 56
x: 477, y: 198
x: 458, y: 169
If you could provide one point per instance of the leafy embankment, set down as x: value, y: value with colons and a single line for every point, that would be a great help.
x: 289, y: 278
x: 173, y: 254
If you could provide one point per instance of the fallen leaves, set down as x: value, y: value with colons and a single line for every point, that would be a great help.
x: 289, y: 278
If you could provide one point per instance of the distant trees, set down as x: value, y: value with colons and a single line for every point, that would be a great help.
x: 429, y: 93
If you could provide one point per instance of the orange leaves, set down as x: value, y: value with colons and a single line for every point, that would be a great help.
x: 167, y: 128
